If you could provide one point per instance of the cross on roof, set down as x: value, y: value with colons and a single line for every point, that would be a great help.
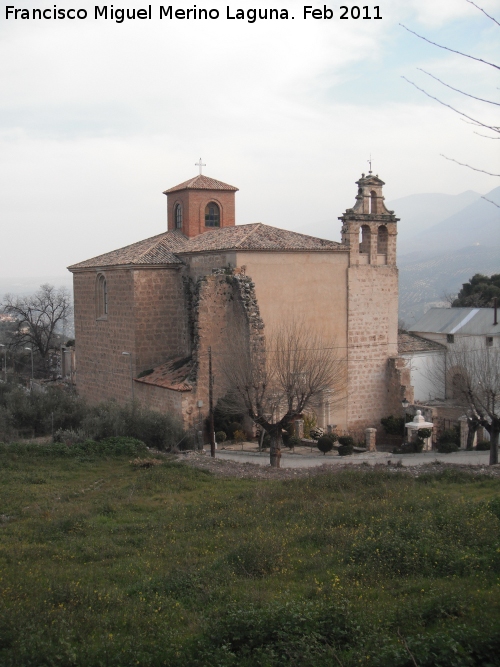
x: 200, y: 164
x: 369, y: 162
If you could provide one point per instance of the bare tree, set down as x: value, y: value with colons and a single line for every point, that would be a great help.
x: 492, y: 131
x: 275, y: 381
x: 38, y: 317
x: 475, y: 377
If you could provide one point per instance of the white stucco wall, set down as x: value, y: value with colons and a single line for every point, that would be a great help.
x: 426, y: 371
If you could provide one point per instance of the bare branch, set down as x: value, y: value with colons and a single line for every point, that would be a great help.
x: 457, y: 90
x: 38, y: 317
x: 446, y: 48
x: 486, y: 136
x: 493, y: 128
x: 275, y: 383
x: 462, y: 164
x: 490, y: 201
x: 482, y: 10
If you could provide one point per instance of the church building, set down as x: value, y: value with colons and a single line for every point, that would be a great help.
x: 146, y: 314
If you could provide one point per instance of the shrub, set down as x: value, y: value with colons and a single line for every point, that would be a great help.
x: 325, y: 444
x: 220, y: 436
x: 393, y: 425
x: 239, y: 436
x: 232, y: 428
x: 345, y: 450
x: 309, y: 423
x: 447, y: 447
x: 266, y: 443
x: 294, y: 441
x: 346, y: 440
x: 288, y: 432
x: 69, y: 437
x: 450, y: 435
x: 483, y: 446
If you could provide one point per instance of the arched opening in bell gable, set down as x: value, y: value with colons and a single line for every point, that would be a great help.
x: 382, y: 240
x: 373, y: 202
x: 364, y: 238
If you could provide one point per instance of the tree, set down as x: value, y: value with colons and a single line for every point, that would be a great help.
x: 479, y: 292
x: 277, y: 380
x: 38, y: 318
x: 479, y: 124
x: 475, y: 375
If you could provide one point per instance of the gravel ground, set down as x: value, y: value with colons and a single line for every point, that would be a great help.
x: 225, y: 468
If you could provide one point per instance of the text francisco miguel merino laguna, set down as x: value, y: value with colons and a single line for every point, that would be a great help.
x: 119, y: 15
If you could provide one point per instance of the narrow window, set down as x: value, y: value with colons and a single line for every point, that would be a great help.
x: 212, y: 215
x: 450, y: 338
x: 102, y: 296
x: 178, y: 216
x: 382, y: 237
x: 364, y: 245
x: 489, y: 341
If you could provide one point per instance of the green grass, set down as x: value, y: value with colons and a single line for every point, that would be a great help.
x: 105, y: 564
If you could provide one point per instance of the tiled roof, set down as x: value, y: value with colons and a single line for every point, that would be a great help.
x: 411, y: 343
x: 158, y: 249
x: 201, y: 182
x: 171, y: 375
x: 256, y: 236
x: 164, y: 248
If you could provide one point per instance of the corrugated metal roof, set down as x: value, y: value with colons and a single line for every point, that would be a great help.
x: 460, y: 321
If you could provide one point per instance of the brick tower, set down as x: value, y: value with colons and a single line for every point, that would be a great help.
x: 370, y: 230
x: 200, y: 205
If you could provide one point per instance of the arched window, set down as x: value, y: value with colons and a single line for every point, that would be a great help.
x: 364, y: 240
x: 382, y: 238
x: 178, y: 216
x: 373, y: 202
x: 212, y: 215
x: 102, y: 296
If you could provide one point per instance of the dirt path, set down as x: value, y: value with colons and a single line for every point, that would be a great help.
x: 227, y: 468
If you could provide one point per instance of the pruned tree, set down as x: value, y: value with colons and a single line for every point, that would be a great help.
x: 482, y: 127
x: 475, y: 377
x: 275, y: 381
x: 38, y: 318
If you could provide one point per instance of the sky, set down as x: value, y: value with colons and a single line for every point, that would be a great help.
x: 98, y: 118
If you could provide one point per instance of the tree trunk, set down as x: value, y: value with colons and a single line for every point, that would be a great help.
x: 494, y: 432
x: 275, y: 449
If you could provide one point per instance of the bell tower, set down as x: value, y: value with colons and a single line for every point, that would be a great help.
x: 369, y: 229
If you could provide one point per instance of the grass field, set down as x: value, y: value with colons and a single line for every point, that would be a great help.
x: 103, y: 563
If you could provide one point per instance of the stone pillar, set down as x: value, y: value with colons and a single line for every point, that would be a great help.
x: 299, y: 428
x: 371, y: 439
x: 464, y: 430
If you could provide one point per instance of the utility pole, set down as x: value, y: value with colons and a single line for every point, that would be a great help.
x: 211, y: 404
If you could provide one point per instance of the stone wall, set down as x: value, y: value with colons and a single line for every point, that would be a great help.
x: 372, y: 340
x: 102, y: 371
x: 147, y: 317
